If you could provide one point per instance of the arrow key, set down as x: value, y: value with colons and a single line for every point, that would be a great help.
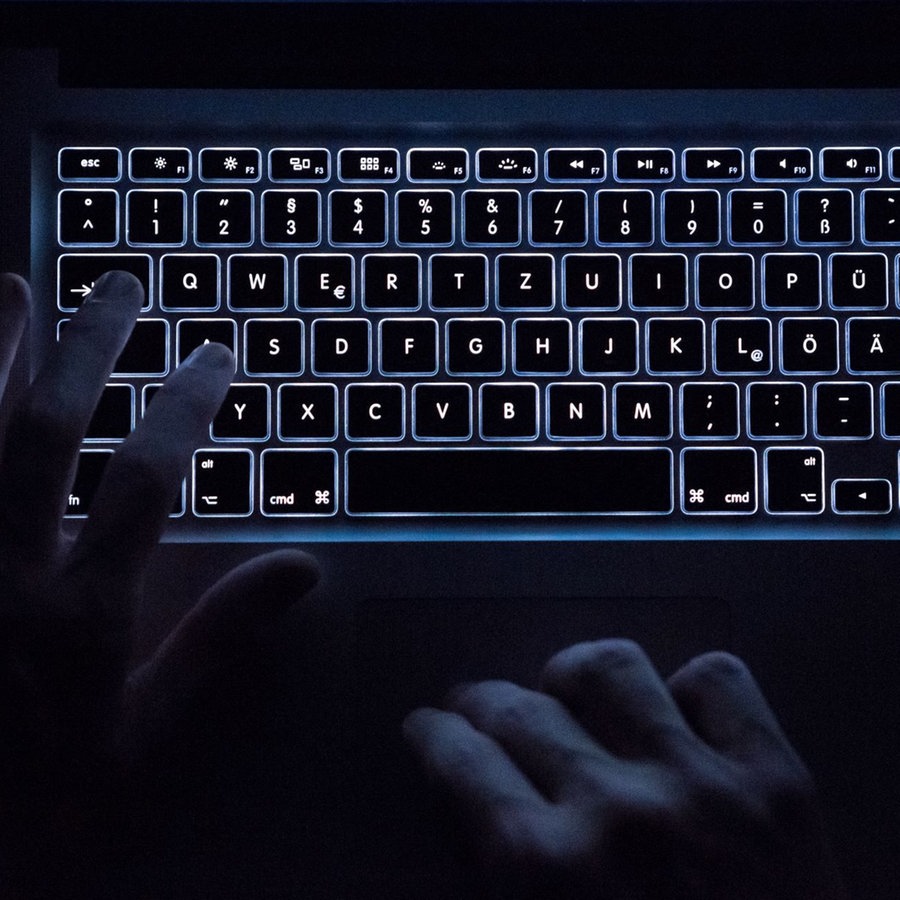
x: 861, y: 496
x: 77, y: 273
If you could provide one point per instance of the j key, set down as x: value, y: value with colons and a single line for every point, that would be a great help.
x: 189, y: 281
x: 644, y: 165
x: 223, y: 483
x: 438, y: 165
x: 873, y: 345
x: 718, y: 482
x: 742, y: 346
x: 408, y: 346
x: 709, y: 411
x: 608, y: 346
x: 691, y: 217
x: 757, y: 217
x: 858, y: 280
x: 273, y: 346
x: 391, y: 281
x: 513, y: 164
x: 542, y: 346
x: 442, y: 412
x: 88, y: 218
x: 824, y: 217
x: 642, y: 411
x: 725, y: 281
x: 375, y: 412
x: 368, y: 165
x: 77, y: 273
x: 491, y: 217
x: 425, y: 218
x: 490, y: 481
x: 88, y: 474
x: 113, y: 416
x: 558, y: 217
x: 881, y: 216
x: 291, y: 218
x: 508, y: 411
x: 525, y: 281
x: 575, y: 165
x: 257, y: 282
x: 781, y: 164
x: 299, y: 164
x: 298, y: 482
x: 592, y: 281
x: 851, y: 164
x: 230, y: 164
x: 358, y: 218
x: 341, y: 346
x: 809, y: 346
x: 160, y: 164
x: 307, y: 412
x: 792, y: 281
x: 861, y: 496
x: 719, y: 164
x: 625, y: 218
x: 576, y: 411
x: 223, y: 218
x: 475, y: 347
x: 776, y: 410
x: 90, y: 164
x: 243, y: 415
x: 156, y: 218
x: 192, y: 333
x: 324, y: 281
x: 843, y: 410
x: 458, y: 281
x: 795, y: 480
x: 676, y: 346
x: 658, y: 280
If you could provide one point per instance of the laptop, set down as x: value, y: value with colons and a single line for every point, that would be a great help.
x: 552, y: 322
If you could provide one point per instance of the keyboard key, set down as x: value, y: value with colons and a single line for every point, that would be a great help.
x: 843, y: 410
x: 776, y: 410
x: 850, y: 164
x: 795, y: 480
x: 506, y: 164
x: 408, y: 347
x: 676, y: 346
x: 88, y: 475
x: 492, y: 218
x: 325, y: 281
x: 375, y: 412
x: 824, y: 217
x: 156, y: 218
x: 719, y: 481
x: 525, y: 281
x: 437, y: 165
x: 542, y: 346
x: 442, y: 412
x: 592, y: 281
x: 717, y: 164
x: 725, y: 281
x: 273, y: 346
x: 298, y: 482
x: 113, y: 416
x: 658, y: 280
x: 307, y: 412
x: 861, y: 496
x: 873, y: 346
x: 77, y: 272
x: 230, y: 164
x: 223, y: 483
x: 358, y: 218
x: 88, y: 218
x: 192, y: 333
x: 257, y: 281
x: 223, y: 218
x: 291, y: 218
x: 588, y: 164
x: 691, y: 217
x: 425, y: 218
x: 558, y: 218
x: 809, y: 346
x: 642, y: 411
x: 757, y: 217
x: 244, y: 414
x: 341, y: 346
x: 781, y: 164
x: 881, y: 216
x: 742, y: 346
x: 709, y: 411
x: 644, y: 165
x: 392, y: 281
x: 858, y: 280
x: 90, y: 164
x: 160, y: 164
x: 490, y: 481
x: 299, y: 164
x: 458, y: 281
x: 368, y: 165
x: 189, y: 281
x: 576, y: 411
x: 608, y: 346
x: 147, y: 350
x: 508, y: 411
x: 625, y: 218
x: 792, y: 281
x: 475, y: 347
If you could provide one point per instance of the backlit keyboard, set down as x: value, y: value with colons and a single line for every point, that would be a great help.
x: 447, y: 335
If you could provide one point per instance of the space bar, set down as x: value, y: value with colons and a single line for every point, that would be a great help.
x: 483, y: 481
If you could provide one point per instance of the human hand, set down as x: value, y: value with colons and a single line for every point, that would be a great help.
x: 611, y: 783
x: 76, y: 726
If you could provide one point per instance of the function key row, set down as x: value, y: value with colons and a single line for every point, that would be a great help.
x: 452, y: 164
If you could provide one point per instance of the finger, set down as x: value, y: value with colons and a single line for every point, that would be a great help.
x: 46, y: 429
x: 612, y: 688
x: 209, y: 639
x: 726, y: 708
x: 141, y: 482
x: 539, y: 735
x: 472, y: 767
x: 15, y: 301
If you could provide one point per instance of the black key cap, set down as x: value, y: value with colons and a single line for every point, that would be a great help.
x: 691, y: 217
x: 298, y: 483
x: 244, y: 414
x: 192, y: 333
x: 644, y: 165
x: 475, y: 347
x: 742, y: 346
x: 522, y: 481
x: 625, y: 218
x: 719, y: 481
x: 273, y: 346
x: 223, y: 483
x: 809, y: 346
x: 458, y: 281
x: 576, y: 411
x: 408, y: 346
x: 508, y: 411
x: 824, y: 217
x: 676, y: 346
x: 658, y: 280
x: 776, y: 410
x: 223, y: 218
x: 230, y: 164
x: 88, y: 218
x: 795, y: 480
x: 858, y: 280
x: 881, y: 216
x: 189, y: 281
x: 147, y: 349
x: 368, y: 165
x: 861, y: 496
x: 375, y: 412
x: 437, y: 165
x: 512, y: 164
x: 542, y: 346
x: 792, y: 281
x: 592, y: 281
x: 575, y: 165
x: 88, y: 474
x: 425, y: 218
x: 442, y: 412
x: 525, y: 281
x: 491, y: 218
x: 77, y: 273
x: 257, y: 282
x: 608, y: 346
x: 307, y: 412
x: 341, y: 346
x: 873, y: 345
x: 324, y: 281
x: 725, y: 281
x: 558, y: 217
x: 843, y: 410
x: 300, y: 164
x: 717, y: 164
x: 156, y: 218
x: 160, y: 164
x: 391, y: 281
x: 358, y: 218
x: 291, y: 218
x: 642, y: 411
x: 90, y: 164
x: 757, y: 217
x: 781, y: 164
x: 851, y: 164
x: 709, y: 411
